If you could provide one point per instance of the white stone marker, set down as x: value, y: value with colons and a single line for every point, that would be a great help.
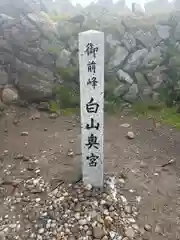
x: 91, y: 70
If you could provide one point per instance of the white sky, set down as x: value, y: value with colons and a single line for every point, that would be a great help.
x: 128, y: 2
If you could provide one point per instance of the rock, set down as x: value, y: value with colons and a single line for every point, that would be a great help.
x: 38, y: 82
x: 41, y: 231
x: 130, y: 135
x: 153, y: 58
x: 53, y: 115
x: 142, y: 83
x: 132, y: 93
x: 43, y: 106
x: 9, y: 96
x: 77, y: 216
x: 156, y: 77
x: 88, y: 187
x: 98, y: 232
x: 120, y: 54
x: 63, y: 58
x: 130, y: 233
x: 89, y: 233
x: 135, y: 61
x: 112, y: 42
x: 36, y: 116
x: 158, y: 229
x: 106, y: 212
x: 121, y: 90
x: 3, y: 76
x: 71, y: 238
x: 129, y: 41
x: 124, y: 77
x: 163, y: 31
x: 177, y: 32
x: 70, y: 153
x: 2, y: 235
x: 82, y: 221
x: 108, y: 221
x: 2, y: 106
x: 24, y: 134
x: 135, y: 226
x: 105, y: 238
x: 128, y: 209
x: 125, y: 125
x: 147, y: 227
x: 147, y: 38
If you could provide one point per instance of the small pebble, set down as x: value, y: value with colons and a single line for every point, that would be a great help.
x: 89, y: 233
x: 130, y: 135
x: 41, y: 231
x: 147, y: 227
x: 24, y: 134
x: 106, y: 212
x: 53, y: 115
x: 125, y: 125
x: 82, y: 221
x: 128, y: 209
x: 158, y: 229
x: 77, y: 216
x: 130, y: 233
x: 88, y: 187
x: 98, y: 232
x: 5, y: 151
x: 2, y: 235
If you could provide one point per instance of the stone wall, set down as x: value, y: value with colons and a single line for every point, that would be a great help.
x: 35, y: 51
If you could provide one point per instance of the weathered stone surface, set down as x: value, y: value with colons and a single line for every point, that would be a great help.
x: 34, y: 83
x: 112, y: 42
x: 129, y: 41
x: 135, y: 61
x: 9, y: 95
x: 156, y: 77
x: 121, y: 90
x: 132, y: 93
x: 120, y: 54
x: 124, y: 77
x: 153, y: 58
x: 163, y: 31
x: 147, y: 38
x: 63, y: 58
x: 33, y: 47
x: 177, y: 32
x: 144, y: 87
x: 3, y: 77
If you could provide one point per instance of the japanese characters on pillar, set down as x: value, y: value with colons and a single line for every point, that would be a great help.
x: 91, y: 66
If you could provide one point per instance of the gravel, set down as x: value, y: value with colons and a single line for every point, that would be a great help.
x: 70, y: 211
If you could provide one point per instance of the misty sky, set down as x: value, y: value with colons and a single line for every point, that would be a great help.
x: 129, y: 2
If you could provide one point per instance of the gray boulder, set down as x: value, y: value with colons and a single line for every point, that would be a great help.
x: 132, y: 93
x: 9, y: 96
x: 156, y: 77
x: 147, y: 38
x: 3, y: 77
x: 121, y: 90
x: 177, y: 32
x: 124, y: 77
x: 163, y: 31
x: 119, y: 56
x: 34, y: 83
x: 129, y: 41
x: 153, y: 58
x: 135, y: 61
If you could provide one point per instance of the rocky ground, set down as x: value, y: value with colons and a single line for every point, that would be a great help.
x: 42, y: 196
